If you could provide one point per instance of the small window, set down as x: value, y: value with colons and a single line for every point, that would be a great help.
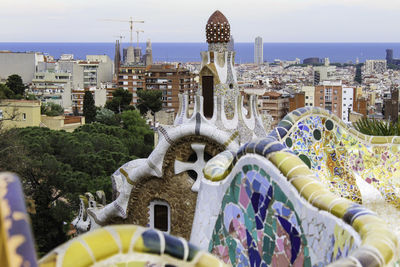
x: 1, y: 114
x: 24, y: 116
x: 306, y: 97
x: 160, y: 217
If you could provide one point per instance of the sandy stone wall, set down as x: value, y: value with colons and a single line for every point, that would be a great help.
x: 174, y: 189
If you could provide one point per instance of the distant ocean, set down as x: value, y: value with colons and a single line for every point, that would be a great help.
x: 190, y: 52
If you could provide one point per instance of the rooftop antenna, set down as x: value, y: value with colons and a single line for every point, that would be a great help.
x: 137, y: 33
x: 130, y: 21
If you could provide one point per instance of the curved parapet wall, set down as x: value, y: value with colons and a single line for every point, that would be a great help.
x: 16, y: 248
x: 265, y: 220
x: 127, y: 245
x: 339, y: 155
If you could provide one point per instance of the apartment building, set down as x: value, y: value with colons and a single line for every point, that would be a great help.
x: 171, y: 81
x: 335, y: 97
x: 274, y: 104
x: 132, y: 78
x: 21, y: 63
x: 375, y: 66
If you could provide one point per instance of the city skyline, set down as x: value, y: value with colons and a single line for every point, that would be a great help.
x: 286, y: 21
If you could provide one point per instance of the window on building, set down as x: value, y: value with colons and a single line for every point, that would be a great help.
x: 306, y: 97
x: 344, y: 98
x: 1, y: 114
x: 160, y: 217
x: 335, y: 91
x: 24, y: 116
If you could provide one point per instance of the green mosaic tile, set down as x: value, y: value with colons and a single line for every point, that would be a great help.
x: 263, y: 173
x: 307, y: 262
x: 278, y: 194
x: 268, y: 246
x: 246, y: 168
x: 255, y: 167
x: 306, y: 252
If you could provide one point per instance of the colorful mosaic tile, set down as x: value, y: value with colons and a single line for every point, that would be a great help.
x: 257, y: 225
x: 337, y: 156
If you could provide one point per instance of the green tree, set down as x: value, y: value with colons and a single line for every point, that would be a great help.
x: 121, y: 101
x: 358, y: 76
x: 149, y: 100
x: 5, y: 92
x: 89, y: 109
x: 51, y: 109
x: 14, y: 82
x: 106, y: 116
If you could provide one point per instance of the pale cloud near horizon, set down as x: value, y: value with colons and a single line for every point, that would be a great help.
x: 184, y: 21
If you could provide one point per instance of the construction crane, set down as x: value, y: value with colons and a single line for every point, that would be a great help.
x: 130, y: 21
x: 137, y: 32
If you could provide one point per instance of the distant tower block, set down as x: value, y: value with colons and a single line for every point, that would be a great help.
x: 258, y: 51
x: 326, y: 63
x: 149, y: 53
x: 217, y: 75
x: 389, y: 55
x: 130, y: 55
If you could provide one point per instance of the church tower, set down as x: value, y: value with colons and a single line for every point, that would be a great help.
x: 217, y: 75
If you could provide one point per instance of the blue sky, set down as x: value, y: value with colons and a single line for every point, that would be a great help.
x: 184, y: 20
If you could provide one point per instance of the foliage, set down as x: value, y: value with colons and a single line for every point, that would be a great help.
x: 121, y: 101
x: 51, y: 109
x: 89, y: 109
x: 377, y: 127
x: 149, y: 100
x: 14, y: 82
x: 5, y: 92
x: 135, y: 133
x: 106, y: 116
x: 358, y: 76
x: 30, y: 97
x: 57, y: 166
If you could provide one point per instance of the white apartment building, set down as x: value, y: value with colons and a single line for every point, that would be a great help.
x: 258, y: 51
x: 375, y: 66
x: 21, y: 63
x: 309, y: 92
x: 324, y: 73
x: 347, y: 102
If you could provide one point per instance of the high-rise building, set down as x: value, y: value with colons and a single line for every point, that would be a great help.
x: 117, y: 57
x: 389, y: 55
x: 258, y: 51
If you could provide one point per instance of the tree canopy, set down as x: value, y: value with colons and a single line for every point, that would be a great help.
x: 121, y: 101
x: 14, y: 82
x: 5, y: 92
x: 57, y: 166
x: 51, y: 109
x: 89, y: 109
x: 149, y: 100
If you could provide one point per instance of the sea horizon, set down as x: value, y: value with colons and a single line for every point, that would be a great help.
x: 338, y: 52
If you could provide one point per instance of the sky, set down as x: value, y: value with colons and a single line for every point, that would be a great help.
x: 185, y: 20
